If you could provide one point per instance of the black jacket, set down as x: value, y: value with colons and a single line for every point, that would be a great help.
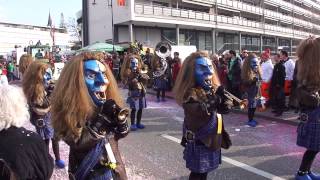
x: 26, y: 154
x: 235, y: 70
x: 278, y: 75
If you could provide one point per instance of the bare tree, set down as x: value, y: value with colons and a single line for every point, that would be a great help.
x: 74, y: 29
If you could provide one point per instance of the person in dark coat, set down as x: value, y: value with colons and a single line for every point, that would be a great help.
x: 234, y: 74
x: 23, y: 153
x: 277, y: 96
x: 308, y: 132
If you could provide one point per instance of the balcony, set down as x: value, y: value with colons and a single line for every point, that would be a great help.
x: 240, y: 6
x: 168, y: 12
x: 223, y: 22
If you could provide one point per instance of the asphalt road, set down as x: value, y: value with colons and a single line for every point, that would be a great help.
x: 268, y: 151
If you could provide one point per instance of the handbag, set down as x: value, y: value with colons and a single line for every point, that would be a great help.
x: 226, y: 141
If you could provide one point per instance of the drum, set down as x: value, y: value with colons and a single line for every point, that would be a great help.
x: 287, y: 87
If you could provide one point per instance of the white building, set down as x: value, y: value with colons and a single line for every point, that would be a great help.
x: 213, y: 25
x: 15, y: 35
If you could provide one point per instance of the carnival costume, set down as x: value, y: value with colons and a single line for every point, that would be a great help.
x: 308, y: 132
x: 160, y: 69
x: 38, y: 91
x: 137, y: 92
x: 203, y: 130
x: 87, y: 116
x: 251, y: 81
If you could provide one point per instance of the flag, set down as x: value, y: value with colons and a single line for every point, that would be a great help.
x: 121, y: 2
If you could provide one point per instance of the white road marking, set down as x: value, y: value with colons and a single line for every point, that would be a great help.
x: 235, y: 163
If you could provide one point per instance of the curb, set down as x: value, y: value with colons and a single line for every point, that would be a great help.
x: 259, y: 115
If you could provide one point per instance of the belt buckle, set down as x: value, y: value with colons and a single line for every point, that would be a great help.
x: 304, y: 117
x: 189, y: 136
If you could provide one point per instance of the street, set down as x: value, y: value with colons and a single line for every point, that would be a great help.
x: 268, y: 151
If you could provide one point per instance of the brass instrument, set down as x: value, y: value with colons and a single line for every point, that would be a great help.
x: 163, y: 50
x: 242, y: 103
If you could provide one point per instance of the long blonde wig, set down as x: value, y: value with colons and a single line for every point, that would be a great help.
x: 24, y: 62
x: 186, y: 80
x: 32, y: 82
x: 308, y: 53
x: 247, y: 74
x: 71, y: 102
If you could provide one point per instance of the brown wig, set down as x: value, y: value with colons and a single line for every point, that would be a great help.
x: 71, y: 102
x: 32, y: 82
x: 308, y: 53
x: 25, y: 61
x: 186, y: 80
x: 247, y: 74
x: 125, y: 67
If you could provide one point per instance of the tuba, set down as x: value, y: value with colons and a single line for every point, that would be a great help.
x: 163, y: 50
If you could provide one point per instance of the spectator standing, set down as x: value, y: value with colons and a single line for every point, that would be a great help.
x: 267, y: 69
x: 289, y: 64
x: 176, y: 66
x: 277, y: 96
x: 234, y: 74
x: 10, y: 69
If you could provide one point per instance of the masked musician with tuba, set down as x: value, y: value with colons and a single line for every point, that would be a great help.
x: 135, y: 75
x: 87, y: 115
x: 251, y: 77
x: 160, y: 69
x: 203, y: 129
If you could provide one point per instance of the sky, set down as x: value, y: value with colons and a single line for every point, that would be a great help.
x: 36, y: 12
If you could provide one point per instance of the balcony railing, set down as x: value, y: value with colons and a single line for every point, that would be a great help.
x: 160, y: 11
x: 189, y: 15
x: 240, y: 6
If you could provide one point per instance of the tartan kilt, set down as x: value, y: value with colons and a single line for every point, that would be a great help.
x: 200, y: 159
x: 252, y: 93
x: 308, y: 132
x: 137, y: 102
x: 160, y: 84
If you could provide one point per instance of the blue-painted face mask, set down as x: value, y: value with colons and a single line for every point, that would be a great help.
x: 96, y: 81
x: 254, y: 64
x: 134, y: 64
x: 47, y: 77
x: 203, y: 73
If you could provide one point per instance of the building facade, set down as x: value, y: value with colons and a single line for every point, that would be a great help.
x: 212, y: 25
x: 20, y: 35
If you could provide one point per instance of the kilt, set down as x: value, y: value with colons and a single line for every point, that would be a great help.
x: 137, y: 102
x: 308, y: 132
x: 252, y: 93
x: 160, y: 84
x: 47, y: 131
x: 200, y: 159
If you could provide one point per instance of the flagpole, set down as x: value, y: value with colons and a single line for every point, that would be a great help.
x: 112, y: 26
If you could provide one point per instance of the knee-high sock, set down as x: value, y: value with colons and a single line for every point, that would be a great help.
x: 307, y: 160
x: 139, y: 115
x: 198, y: 176
x: 251, y: 112
x: 55, y: 148
x: 133, y: 116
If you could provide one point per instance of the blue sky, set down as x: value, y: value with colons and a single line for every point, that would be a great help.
x: 36, y: 12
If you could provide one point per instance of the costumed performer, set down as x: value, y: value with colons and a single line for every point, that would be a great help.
x: 203, y: 125
x: 87, y: 116
x: 309, y: 102
x: 135, y: 79
x: 251, y: 77
x: 37, y: 86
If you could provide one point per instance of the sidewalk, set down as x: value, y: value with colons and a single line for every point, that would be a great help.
x: 288, y: 117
